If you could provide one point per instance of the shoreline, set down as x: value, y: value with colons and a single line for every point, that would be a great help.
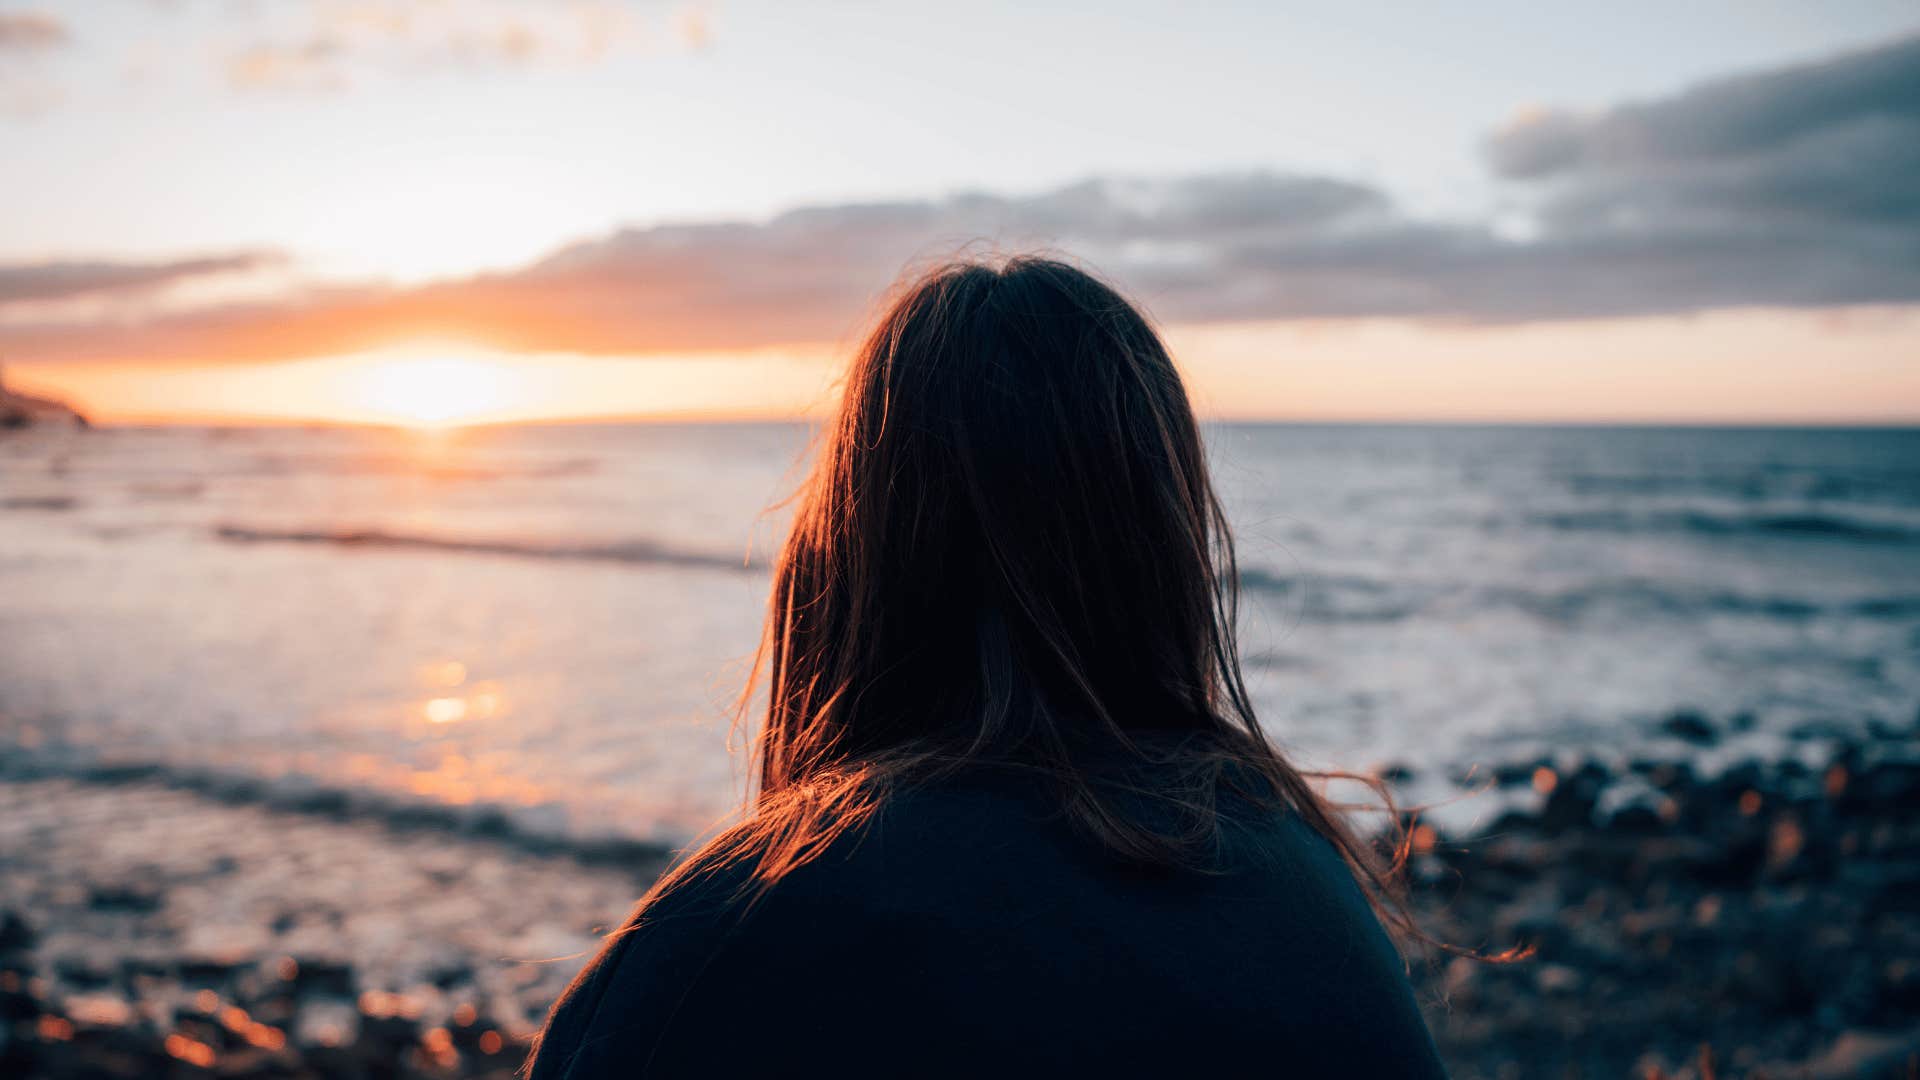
x: 1765, y: 920
x: 1760, y: 922
x: 146, y: 930
x: 384, y: 810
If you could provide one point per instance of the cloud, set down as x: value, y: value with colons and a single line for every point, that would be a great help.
x: 25, y: 99
x: 1828, y: 145
x: 313, y: 65
x: 332, y: 42
x: 26, y: 38
x: 809, y: 274
x: 1731, y: 118
x: 693, y: 26
x: 31, y: 31
x: 71, y: 280
x: 1790, y: 188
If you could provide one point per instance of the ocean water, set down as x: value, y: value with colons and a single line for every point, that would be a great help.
x: 549, y: 625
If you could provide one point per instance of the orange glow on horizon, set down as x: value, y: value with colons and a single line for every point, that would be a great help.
x: 1735, y: 366
x: 438, y: 384
x: 432, y: 391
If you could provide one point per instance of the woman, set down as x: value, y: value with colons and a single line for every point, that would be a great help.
x: 1014, y: 813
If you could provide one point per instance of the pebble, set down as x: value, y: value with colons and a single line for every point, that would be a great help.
x: 1770, y: 913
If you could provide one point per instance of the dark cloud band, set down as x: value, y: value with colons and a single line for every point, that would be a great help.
x: 69, y: 280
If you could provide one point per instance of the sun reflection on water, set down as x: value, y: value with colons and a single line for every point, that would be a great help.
x: 482, y: 701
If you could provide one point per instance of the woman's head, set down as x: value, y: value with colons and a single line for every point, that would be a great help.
x: 1009, y: 545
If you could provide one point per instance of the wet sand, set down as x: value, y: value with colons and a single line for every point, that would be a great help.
x: 146, y: 927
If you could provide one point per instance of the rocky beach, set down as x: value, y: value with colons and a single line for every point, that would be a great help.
x: 1759, y: 921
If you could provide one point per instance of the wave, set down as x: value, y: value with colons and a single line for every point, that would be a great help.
x: 1807, y: 524
x: 46, y: 503
x: 1643, y: 596
x: 299, y: 794
x: 644, y: 552
x: 1355, y: 599
x: 1335, y: 598
x: 402, y: 464
x: 163, y: 491
x: 1757, y: 484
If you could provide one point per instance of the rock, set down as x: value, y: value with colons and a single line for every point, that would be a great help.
x: 16, y: 935
x: 1890, y: 783
x: 1518, y: 774
x: 16, y: 1002
x: 83, y: 972
x: 1856, y: 1054
x: 1896, y: 890
x: 19, y: 410
x: 1397, y: 772
x: 1690, y: 726
x: 1558, y: 979
x: 1734, y: 861
x: 131, y: 898
x: 1887, y: 731
x: 390, y: 1036
x: 1638, y: 819
x: 1574, y: 797
x: 227, y: 945
x: 322, y: 977
x: 450, y: 974
x: 207, y: 971
x: 1534, y: 922
x: 326, y: 1023
x: 1898, y: 986
x: 1818, y: 731
x: 1633, y: 806
x: 99, y: 1010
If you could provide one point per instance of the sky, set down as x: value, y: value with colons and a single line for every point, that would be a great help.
x: 457, y: 210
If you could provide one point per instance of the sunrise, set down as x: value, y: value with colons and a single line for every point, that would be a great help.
x: 560, y: 539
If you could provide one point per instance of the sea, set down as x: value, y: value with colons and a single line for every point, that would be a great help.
x: 547, y: 628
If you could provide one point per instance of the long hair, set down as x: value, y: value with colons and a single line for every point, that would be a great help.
x: 1010, y: 552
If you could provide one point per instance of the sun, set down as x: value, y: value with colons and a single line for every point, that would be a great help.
x: 432, y: 391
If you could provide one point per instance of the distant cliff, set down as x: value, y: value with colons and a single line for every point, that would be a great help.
x: 19, y: 410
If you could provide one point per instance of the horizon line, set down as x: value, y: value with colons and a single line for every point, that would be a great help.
x: 747, y: 419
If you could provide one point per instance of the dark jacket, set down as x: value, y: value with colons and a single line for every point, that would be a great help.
x: 970, y: 931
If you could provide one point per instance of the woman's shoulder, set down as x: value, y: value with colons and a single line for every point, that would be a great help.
x: 946, y: 844
x: 668, y: 986
x: 979, y: 866
x: 970, y: 914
